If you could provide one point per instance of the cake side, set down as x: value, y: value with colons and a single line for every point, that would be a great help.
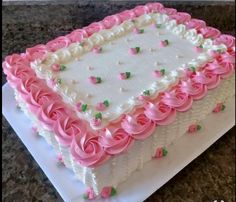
x: 177, y: 99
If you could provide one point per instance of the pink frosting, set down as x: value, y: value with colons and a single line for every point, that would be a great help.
x: 77, y: 35
x: 196, y: 90
x: 51, y: 111
x: 36, y: 52
x: 126, y: 15
x: 181, y: 17
x: 154, y: 7
x: 168, y: 11
x: 179, y: 100
x: 26, y: 85
x: 228, y: 40
x: 207, y: 78
x: 93, y: 28
x: 110, y: 21
x: 40, y: 95
x: 17, y: 73
x: 115, y: 141
x: 100, y: 106
x: 138, y: 126
x: 140, y: 10
x: 195, y: 24
x: 160, y: 113
x: 222, y: 68
x: 58, y: 43
x: 210, y: 32
x: 87, y: 150
x: 66, y: 127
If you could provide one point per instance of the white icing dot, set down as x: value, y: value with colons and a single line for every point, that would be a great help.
x: 156, y: 63
x: 121, y: 89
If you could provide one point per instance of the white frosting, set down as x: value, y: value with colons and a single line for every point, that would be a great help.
x: 115, y: 58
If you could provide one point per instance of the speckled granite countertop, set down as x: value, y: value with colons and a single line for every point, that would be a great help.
x: 209, y: 177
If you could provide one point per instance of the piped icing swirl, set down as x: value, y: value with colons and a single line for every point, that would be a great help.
x: 87, y: 151
x: 37, y: 52
x: 180, y: 17
x: 115, y: 140
x: 66, y: 127
x: 210, y: 32
x: 228, y: 40
x: 138, y: 126
x: 58, y: 43
x: 195, y: 24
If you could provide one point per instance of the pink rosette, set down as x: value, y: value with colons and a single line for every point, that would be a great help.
x: 138, y: 126
x: 154, y: 7
x: 140, y: 10
x: 196, y: 90
x: 40, y: 95
x: 36, y: 52
x: 127, y: 15
x: 26, y: 85
x: 19, y: 72
x: 161, y: 113
x: 110, y: 21
x: 93, y: 28
x: 207, y: 78
x: 223, y: 68
x: 180, y: 17
x: 210, y: 32
x: 231, y: 51
x: 195, y: 24
x: 66, y: 127
x: 51, y: 111
x: 87, y: 150
x: 177, y: 99
x: 58, y: 43
x: 168, y: 11
x: 115, y: 141
x: 77, y: 35
x: 12, y: 61
x: 228, y: 40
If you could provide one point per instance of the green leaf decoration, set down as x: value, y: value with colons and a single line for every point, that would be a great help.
x: 146, y: 92
x: 62, y: 67
x: 85, y: 196
x: 163, y: 71
x: 106, y: 103
x: 127, y: 74
x: 141, y: 31
x: 223, y: 108
x: 84, y: 107
x: 193, y: 69
x: 201, y: 46
x: 98, y: 115
x: 164, y: 152
x: 59, y: 81
x: 99, y: 80
x: 167, y: 42
x: 199, y: 127
x: 158, y: 25
x: 113, y: 191
x: 137, y: 49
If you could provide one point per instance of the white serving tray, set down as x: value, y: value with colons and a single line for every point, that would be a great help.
x: 138, y: 186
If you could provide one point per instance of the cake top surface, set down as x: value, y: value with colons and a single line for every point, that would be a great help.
x: 114, y: 81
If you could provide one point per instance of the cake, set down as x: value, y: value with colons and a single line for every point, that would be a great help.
x: 114, y: 95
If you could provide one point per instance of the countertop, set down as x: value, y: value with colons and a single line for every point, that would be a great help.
x: 209, y: 177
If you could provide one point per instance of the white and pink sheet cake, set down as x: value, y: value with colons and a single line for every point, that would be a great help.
x: 113, y: 95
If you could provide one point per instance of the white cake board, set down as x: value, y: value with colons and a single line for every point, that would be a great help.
x: 142, y: 183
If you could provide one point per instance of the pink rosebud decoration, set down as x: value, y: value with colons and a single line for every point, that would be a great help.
x: 97, y: 49
x: 60, y: 160
x: 138, y: 31
x: 108, y: 192
x: 101, y: 106
x: 97, y: 120
x: 124, y: 75
x: 89, y: 194
x: 95, y: 80
x: 52, y: 82
x: 194, y: 128
x: 198, y: 49
x: 160, y: 152
x: 164, y: 43
x: 81, y: 107
x: 158, y: 73
x: 55, y: 67
x: 134, y: 51
x: 219, y: 107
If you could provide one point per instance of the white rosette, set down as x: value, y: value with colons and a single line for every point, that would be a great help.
x: 65, y: 154
x: 107, y: 34
x: 179, y: 30
x: 193, y: 37
x: 64, y: 55
x: 97, y: 39
x: 160, y: 18
x: 143, y: 20
x: 128, y: 25
x: 75, y: 49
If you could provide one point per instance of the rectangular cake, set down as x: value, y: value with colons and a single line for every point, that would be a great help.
x: 113, y: 95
